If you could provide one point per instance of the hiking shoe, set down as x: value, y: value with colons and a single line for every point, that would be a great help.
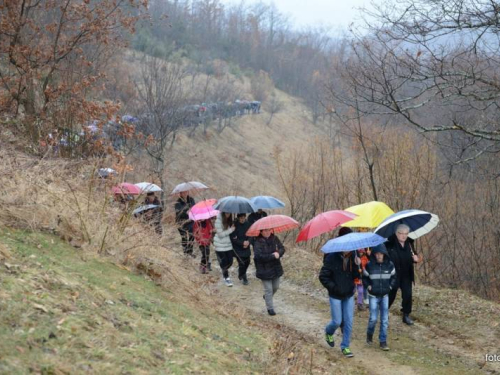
x: 329, y: 340
x: 369, y: 338
x: 244, y: 280
x: 209, y: 267
x: 347, y: 353
x: 203, y: 269
x: 407, y: 320
x: 228, y: 282
x: 271, y: 312
x: 365, y: 301
x: 361, y: 307
x: 383, y: 346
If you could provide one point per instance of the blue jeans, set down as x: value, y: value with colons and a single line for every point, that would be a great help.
x: 376, y: 304
x: 342, y: 311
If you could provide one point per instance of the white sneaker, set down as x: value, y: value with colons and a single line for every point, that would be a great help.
x: 228, y: 282
x: 365, y: 301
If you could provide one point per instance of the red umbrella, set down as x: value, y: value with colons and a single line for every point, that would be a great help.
x: 204, y: 204
x: 126, y: 189
x: 278, y: 223
x: 323, y: 223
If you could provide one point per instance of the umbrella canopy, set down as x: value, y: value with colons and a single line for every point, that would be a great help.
x: 370, y: 214
x: 148, y: 187
x: 235, y: 205
x: 202, y: 213
x: 420, y: 223
x: 323, y: 223
x: 204, y: 204
x: 126, y: 188
x: 278, y: 223
x: 142, y: 209
x: 266, y: 201
x: 352, y: 241
x: 189, y: 186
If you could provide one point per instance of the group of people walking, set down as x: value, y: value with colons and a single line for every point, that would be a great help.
x: 390, y: 267
x: 376, y: 274
x: 227, y: 232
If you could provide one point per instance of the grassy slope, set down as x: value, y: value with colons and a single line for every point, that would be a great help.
x: 63, y: 313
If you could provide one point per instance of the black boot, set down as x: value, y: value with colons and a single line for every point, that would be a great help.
x: 369, y: 338
x: 407, y: 320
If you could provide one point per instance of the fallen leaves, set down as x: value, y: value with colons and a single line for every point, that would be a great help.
x: 40, y: 307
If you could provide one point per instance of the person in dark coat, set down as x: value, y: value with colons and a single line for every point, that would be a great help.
x: 155, y: 215
x: 254, y: 216
x: 403, y: 256
x: 184, y: 224
x: 337, y: 275
x: 379, y: 278
x: 241, y: 246
x: 267, y: 252
x: 151, y: 198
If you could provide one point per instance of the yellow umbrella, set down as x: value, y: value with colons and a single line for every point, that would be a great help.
x: 370, y: 214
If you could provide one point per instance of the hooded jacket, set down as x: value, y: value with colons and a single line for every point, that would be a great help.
x: 337, y: 275
x: 222, y: 237
x: 266, y: 264
x: 202, y: 231
x: 381, y: 277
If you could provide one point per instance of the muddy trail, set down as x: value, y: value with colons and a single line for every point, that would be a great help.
x: 420, y: 349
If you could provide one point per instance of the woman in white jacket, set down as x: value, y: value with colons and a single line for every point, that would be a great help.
x: 223, y: 247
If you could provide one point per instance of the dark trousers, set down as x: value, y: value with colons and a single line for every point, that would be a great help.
x: 187, y: 240
x: 405, y: 285
x: 225, y: 259
x: 243, y: 263
x: 205, y: 255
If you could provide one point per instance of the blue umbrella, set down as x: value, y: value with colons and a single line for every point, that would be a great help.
x: 235, y: 205
x: 352, y: 241
x: 420, y: 223
x: 265, y: 201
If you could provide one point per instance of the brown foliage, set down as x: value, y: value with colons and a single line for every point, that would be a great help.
x: 52, y: 55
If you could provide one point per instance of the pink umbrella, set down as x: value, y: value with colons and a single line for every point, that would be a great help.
x: 126, y: 189
x: 202, y: 213
x: 278, y: 223
x: 323, y: 223
x: 204, y: 204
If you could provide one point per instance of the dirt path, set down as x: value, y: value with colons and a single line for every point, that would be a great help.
x: 414, y: 350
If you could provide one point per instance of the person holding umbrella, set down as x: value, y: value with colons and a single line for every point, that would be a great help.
x: 185, y: 225
x: 223, y: 247
x: 337, y: 275
x: 379, y: 278
x: 402, y: 255
x: 267, y: 252
x: 254, y: 216
x: 241, y: 246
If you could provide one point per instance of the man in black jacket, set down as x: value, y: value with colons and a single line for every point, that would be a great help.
x: 403, y: 257
x: 379, y: 278
x: 254, y: 216
x: 241, y: 246
x: 185, y: 225
x: 337, y: 276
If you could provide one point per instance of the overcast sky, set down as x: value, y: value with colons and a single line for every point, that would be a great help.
x: 337, y: 14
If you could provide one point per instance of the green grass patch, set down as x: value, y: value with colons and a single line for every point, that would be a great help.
x: 65, y: 312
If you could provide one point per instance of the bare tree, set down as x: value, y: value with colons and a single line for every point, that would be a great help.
x: 163, y: 98
x: 273, y: 106
x: 433, y: 57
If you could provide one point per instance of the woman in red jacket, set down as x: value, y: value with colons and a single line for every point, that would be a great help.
x: 203, y: 232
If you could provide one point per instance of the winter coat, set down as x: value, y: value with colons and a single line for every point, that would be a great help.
x: 222, y: 237
x: 253, y: 217
x: 181, y: 213
x: 338, y: 277
x: 238, y: 237
x: 266, y: 264
x: 401, y: 257
x: 203, y: 235
x: 155, y: 201
x: 381, y: 277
